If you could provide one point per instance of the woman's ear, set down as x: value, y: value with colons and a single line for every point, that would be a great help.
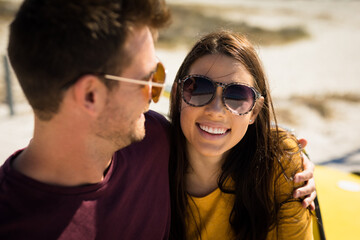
x: 258, y: 106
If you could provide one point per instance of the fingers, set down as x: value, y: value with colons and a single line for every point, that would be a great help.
x: 308, y: 172
x: 302, y: 142
x: 306, y: 190
x: 312, y: 206
x: 309, y: 201
x: 306, y: 175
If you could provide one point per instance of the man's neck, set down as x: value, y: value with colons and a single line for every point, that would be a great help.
x: 63, y: 160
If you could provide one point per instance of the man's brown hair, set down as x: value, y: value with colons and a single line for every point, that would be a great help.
x: 52, y: 43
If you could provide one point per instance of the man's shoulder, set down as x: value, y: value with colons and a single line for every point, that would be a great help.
x: 155, y: 121
x: 157, y: 135
x: 6, y: 190
x: 155, y: 116
x: 5, y: 169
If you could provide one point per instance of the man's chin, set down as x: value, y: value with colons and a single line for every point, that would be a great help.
x: 136, y: 135
x: 133, y: 138
x: 138, y: 138
x: 139, y: 132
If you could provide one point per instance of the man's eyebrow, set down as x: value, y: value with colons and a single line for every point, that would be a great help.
x: 149, y: 75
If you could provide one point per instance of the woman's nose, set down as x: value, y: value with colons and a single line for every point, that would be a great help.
x: 216, y: 105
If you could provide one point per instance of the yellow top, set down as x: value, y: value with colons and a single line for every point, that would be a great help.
x: 214, y: 209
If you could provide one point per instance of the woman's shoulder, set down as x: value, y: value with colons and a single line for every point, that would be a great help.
x: 287, y: 141
x: 288, y: 162
x: 288, y: 149
x: 294, y: 221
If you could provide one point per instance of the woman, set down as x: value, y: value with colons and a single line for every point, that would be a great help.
x: 231, y: 171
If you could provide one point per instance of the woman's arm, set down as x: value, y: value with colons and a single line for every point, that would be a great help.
x: 294, y: 221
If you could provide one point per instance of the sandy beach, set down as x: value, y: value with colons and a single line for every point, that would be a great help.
x: 324, y: 65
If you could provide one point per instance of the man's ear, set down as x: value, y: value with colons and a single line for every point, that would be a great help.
x: 90, y: 94
x: 255, y: 112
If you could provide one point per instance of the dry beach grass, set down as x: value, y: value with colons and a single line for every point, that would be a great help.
x: 192, y: 21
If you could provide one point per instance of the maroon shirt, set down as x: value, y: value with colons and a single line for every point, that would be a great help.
x: 132, y: 202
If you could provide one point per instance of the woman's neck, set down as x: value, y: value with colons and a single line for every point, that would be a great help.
x: 202, y: 174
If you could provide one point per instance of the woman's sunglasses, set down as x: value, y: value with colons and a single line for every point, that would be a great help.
x: 198, y: 90
x: 156, y: 81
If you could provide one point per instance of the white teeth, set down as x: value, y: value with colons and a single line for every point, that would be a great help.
x: 213, y: 130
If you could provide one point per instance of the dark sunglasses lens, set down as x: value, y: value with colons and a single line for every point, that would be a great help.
x: 198, y: 91
x: 239, y: 98
x: 159, y: 77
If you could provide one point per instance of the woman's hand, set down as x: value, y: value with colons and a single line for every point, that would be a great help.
x: 308, y: 191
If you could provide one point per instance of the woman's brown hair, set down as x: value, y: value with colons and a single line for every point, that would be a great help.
x: 250, y: 163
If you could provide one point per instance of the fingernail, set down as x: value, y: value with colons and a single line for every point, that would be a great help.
x: 296, y: 194
x: 296, y: 179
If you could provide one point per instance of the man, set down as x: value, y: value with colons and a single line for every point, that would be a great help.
x: 68, y: 184
x: 88, y: 69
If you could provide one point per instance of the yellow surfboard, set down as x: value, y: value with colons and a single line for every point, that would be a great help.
x: 339, y: 201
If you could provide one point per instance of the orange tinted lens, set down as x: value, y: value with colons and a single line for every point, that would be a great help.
x: 159, y: 77
x: 146, y: 91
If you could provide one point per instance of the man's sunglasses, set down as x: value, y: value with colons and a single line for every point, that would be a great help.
x: 238, y: 98
x: 156, y: 81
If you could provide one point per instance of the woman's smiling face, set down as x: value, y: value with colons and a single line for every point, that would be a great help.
x: 212, y: 130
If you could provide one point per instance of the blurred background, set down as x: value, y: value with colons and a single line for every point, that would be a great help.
x: 310, y: 51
